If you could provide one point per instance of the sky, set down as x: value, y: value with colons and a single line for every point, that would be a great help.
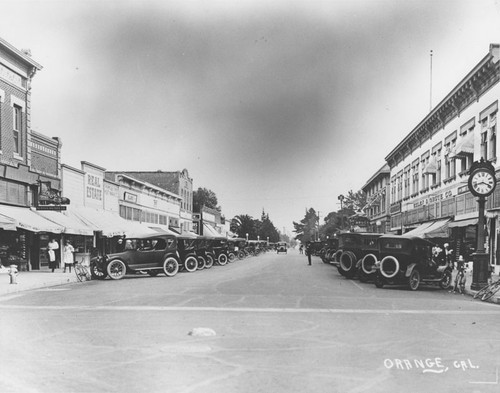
x: 274, y: 105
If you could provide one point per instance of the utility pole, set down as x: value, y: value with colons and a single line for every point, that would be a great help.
x: 430, y: 92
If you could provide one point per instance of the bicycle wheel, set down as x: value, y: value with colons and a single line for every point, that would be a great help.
x: 78, y: 272
x: 493, y: 289
x: 88, y: 276
x: 481, y: 292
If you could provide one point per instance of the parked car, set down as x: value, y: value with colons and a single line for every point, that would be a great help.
x: 282, y: 247
x: 186, y: 251
x: 354, y: 247
x: 204, y: 254
x: 219, y: 247
x: 331, y: 247
x: 153, y: 255
x: 409, y: 260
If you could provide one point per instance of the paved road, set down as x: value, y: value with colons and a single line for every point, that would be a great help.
x: 279, y: 325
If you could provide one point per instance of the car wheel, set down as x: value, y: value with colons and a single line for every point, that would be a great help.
x: 209, y: 261
x: 337, y: 255
x: 170, y: 267
x: 222, y: 259
x: 153, y: 273
x: 445, y: 282
x: 201, y: 263
x: 414, y: 280
x: 116, y: 269
x: 96, y: 273
x: 231, y: 257
x: 190, y: 264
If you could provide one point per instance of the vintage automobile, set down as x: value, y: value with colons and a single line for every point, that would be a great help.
x: 355, y: 246
x: 186, y: 251
x: 235, y: 247
x: 219, y: 247
x: 153, y: 254
x: 281, y: 247
x: 330, y: 248
x: 409, y: 260
x: 204, y: 253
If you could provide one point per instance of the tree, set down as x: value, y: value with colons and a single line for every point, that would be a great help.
x: 267, y: 229
x: 355, y: 200
x: 242, y: 225
x: 204, y: 197
x: 307, y: 228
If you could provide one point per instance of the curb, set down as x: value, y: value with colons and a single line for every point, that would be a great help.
x: 28, y: 286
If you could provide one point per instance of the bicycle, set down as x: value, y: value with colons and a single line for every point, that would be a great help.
x: 82, y: 272
x: 488, y: 291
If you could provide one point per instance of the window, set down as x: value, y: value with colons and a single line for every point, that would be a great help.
x: 449, y: 161
x: 18, y: 126
x: 415, y: 175
x: 436, y: 159
x: 407, y: 182
x: 425, y: 177
x: 488, y: 121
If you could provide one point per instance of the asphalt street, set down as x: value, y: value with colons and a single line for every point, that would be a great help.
x: 265, y: 324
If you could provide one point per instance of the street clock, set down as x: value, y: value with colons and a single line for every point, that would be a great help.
x: 482, y: 179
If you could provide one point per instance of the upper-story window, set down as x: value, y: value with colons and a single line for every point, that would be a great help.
x: 435, y: 161
x: 18, y: 127
x: 407, y: 181
x: 415, y: 177
x: 488, y: 121
x: 449, y: 160
x: 424, y: 160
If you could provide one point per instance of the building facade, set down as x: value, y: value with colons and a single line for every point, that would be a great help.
x: 429, y: 167
x: 29, y: 166
x: 178, y: 183
x: 377, y: 201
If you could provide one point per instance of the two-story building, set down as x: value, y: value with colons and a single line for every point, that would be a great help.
x: 377, y: 200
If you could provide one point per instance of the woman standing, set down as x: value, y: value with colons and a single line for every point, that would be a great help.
x: 68, y: 256
x: 52, y: 247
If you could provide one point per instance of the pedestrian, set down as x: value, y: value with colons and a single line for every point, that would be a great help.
x: 52, y: 251
x: 68, y: 259
x: 308, y: 252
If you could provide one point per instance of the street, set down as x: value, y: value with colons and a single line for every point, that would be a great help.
x: 264, y: 324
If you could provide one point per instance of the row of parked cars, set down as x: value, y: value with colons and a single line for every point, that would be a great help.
x: 387, y: 259
x: 169, y: 254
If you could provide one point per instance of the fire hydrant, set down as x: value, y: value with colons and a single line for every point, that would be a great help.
x: 13, y: 272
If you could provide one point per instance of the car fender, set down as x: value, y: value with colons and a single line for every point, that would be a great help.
x: 409, y: 269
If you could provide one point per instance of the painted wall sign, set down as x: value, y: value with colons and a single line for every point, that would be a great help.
x: 93, y: 188
x: 435, y: 198
x: 127, y: 196
x: 11, y: 76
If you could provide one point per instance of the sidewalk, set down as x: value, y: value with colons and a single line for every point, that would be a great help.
x: 470, y: 292
x: 34, y: 280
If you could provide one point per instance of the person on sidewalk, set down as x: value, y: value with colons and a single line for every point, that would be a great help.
x: 68, y: 256
x: 308, y: 252
x: 52, y: 251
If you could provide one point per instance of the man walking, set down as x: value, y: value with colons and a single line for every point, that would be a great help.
x: 308, y: 252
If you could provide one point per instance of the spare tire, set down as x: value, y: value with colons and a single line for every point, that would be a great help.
x: 348, y: 263
x: 368, y: 262
x: 389, y: 266
x: 337, y: 255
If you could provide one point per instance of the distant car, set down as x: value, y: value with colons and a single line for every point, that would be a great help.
x: 282, y: 247
x: 153, y: 255
x: 409, y: 260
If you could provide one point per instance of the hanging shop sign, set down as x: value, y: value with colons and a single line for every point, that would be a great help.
x: 49, y: 198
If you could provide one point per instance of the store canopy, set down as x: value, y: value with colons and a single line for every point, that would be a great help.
x: 7, y: 223
x: 25, y: 218
x: 209, y: 231
x: 109, y: 223
x: 463, y: 223
x: 464, y: 146
x: 163, y: 229
x: 71, y: 225
x: 432, y: 229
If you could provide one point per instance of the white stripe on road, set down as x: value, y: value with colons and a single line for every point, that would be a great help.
x: 251, y: 310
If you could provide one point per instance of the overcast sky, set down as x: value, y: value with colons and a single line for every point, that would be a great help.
x: 275, y: 105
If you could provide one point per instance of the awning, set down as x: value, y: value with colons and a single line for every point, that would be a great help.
x: 163, y: 229
x: 463, y: 223
x: 71, y: 225
x: 464, y: 146
x: 210, y: 231
x: 438, y: 228
x: 109, y: 223
x: 25, y: 218
x: 431, y: 167
x: 7, y: 224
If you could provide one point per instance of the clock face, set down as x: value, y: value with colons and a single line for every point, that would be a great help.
x: 483, y: 182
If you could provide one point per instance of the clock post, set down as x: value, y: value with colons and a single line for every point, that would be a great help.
x: 482, y: 182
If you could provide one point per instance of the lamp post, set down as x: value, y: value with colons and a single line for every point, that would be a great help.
x: 341, y: 199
